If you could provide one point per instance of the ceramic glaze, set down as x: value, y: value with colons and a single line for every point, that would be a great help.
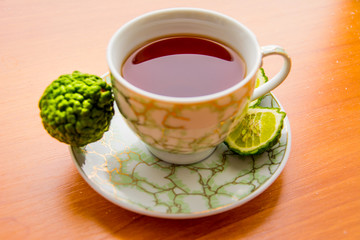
x: 185, y: 130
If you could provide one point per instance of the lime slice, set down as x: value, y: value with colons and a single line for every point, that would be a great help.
x: 258, y: 131
x: 260, y: 80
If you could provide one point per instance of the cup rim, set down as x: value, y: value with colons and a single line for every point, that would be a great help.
x: 196, y: 99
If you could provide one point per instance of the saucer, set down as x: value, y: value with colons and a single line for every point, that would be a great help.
x: 121, y: 169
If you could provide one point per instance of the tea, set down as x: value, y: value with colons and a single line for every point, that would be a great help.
x: 184, y: 66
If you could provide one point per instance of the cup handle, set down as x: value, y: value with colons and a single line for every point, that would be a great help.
x: 279, y: 77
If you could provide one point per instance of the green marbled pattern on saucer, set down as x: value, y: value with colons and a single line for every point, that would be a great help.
x: 120, y: 167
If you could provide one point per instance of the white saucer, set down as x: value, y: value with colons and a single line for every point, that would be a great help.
x: 121, y: 169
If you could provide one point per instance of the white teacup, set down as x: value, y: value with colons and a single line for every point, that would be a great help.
x: 184, y: 130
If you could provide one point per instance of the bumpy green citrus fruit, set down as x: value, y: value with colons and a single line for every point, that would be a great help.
x: 260, y: 80
x: 258, y: 131
x: 77, y: 108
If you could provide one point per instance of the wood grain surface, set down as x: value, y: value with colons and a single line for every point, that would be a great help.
x: 317, y: 196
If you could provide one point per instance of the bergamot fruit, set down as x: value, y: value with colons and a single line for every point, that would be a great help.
x: 258, y: 131
x: 77, y: 108
x: 260, y: 80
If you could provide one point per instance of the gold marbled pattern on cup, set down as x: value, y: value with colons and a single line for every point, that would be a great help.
x: 182, y: 127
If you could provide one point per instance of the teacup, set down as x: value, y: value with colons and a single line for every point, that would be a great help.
x: 185, y: 130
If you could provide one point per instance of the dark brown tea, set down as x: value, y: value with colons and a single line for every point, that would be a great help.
x: 184, y: 66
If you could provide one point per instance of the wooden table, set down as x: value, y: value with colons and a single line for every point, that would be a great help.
x: 317, y: 196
